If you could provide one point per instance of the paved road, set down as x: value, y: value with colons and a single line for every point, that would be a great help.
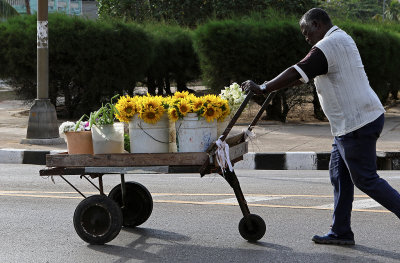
x: 194, y: 220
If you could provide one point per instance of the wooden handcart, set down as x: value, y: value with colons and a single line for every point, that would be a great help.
x: 98, y: 219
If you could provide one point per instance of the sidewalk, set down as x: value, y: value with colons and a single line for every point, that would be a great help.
x: 276, y: 145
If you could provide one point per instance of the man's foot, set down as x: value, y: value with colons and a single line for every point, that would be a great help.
x: 332, y: 240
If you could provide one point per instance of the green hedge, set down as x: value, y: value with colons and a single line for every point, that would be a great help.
x: 240, y: 50
x: 380, y: 53
x: 90, y: 61
x: 174, y: 60
x: 259, y: 50
x: 18, y: 53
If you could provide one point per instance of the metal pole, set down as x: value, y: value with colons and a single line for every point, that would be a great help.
x: 42, y: 125
x: 42, y: 51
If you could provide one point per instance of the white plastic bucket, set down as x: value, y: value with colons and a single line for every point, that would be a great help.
x: 149, y: 138
x: 108, y: 138
x: 194, y: 134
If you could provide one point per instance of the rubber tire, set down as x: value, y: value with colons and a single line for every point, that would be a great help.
x: 258, y: 230
x: 139, y: 203
x: 97, y: 219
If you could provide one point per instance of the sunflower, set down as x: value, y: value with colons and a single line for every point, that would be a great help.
x: 184, y: 107
x: 152, y: 102
x: 197, y: 104
x: 225, y: 110
x: 166, y: 101
x: 210, y: 98
x: 150, y: 116
x: 181, y: 95
x: 126, y: 107
x: 173, y: 114
x: 210, y: 113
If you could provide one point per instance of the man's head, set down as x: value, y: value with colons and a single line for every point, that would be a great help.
x: 314, y: 24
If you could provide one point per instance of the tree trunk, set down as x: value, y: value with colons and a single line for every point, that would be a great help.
x: 274, y: 110
x: 167, y: 86
x: 151, y: 85
x: 28, y: 7
x: 160, y: 86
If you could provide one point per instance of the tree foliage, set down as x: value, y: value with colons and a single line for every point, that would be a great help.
x: 193, y: 12
x: 392, y: 11
x: 350, y: 9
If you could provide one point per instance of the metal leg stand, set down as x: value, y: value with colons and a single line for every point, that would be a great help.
x: 123, y: 190
x: 251, y: 227
x: 231, y: 178
x: 101, y: 185
x: 76, y: 189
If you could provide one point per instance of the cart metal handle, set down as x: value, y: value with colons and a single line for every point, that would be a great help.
x: 260, y: 112
x: 233, y: 120
x: 213, y: 146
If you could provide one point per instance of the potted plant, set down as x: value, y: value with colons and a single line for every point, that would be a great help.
x: 148, y: 122
x: 196, y: 120
x: 78, y: 135
x: 107, y: 136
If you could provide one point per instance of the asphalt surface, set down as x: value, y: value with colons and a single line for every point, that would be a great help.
x: 194, y: 220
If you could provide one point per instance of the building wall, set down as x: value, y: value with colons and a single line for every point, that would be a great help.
x: 86, y: 9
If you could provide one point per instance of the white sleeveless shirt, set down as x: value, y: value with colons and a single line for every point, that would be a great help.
x: 344, y: 92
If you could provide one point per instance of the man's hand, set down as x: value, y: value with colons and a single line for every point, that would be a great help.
x: 249, y: 85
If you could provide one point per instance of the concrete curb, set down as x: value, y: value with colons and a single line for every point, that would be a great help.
x: 22, y: 156
x: 251, y: 160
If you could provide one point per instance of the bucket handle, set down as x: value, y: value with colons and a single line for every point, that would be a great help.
x: 140, y: 126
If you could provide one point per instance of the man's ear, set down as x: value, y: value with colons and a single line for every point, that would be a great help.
x: 316, y: 24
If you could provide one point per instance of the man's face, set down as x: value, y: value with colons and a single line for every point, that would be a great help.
x: 311, y: 33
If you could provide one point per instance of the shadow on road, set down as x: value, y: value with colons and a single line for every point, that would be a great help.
x: 153, y: 245
x: 377, y: 252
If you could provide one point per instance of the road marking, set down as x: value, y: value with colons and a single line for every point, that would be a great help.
x: 42, y: 196
x: 249, y: 199
x: 267, y: 195
x: 359, y: 204
x: 43, y: 192
x: 261, y: 205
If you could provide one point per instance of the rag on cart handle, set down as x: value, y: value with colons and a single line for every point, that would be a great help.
x: 213, y: 147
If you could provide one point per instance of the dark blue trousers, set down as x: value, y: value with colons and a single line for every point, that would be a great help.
x: 353, y: 162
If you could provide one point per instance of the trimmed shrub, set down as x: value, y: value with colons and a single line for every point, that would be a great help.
x: 89, y: 62
x: 380, y: 53
x: 97, y: 60
x: 240, y: 50
x: 233, y: 50
x: 174, y: 60
x: 18, y: 53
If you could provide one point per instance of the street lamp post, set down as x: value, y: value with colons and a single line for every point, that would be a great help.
x: 42, y: 125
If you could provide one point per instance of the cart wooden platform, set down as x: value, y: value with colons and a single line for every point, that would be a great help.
x: 99, y: 218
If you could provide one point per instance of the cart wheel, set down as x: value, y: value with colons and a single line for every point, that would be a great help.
x: 253, y: 228
x: 97, y: 219
x: 138, y: 203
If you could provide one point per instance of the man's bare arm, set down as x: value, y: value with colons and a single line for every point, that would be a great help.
x: 288, y: 78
